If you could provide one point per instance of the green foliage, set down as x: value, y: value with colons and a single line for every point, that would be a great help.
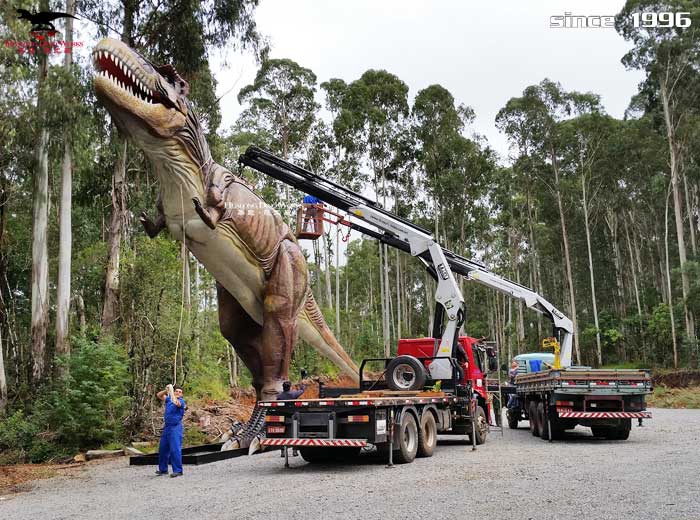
x: 89, y: 403
x: 83, y: 409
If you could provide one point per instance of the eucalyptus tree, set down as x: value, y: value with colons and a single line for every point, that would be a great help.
x: 537, y: 114
x: 375, y: 111
x: 583, y: 142
x: 668, y: 54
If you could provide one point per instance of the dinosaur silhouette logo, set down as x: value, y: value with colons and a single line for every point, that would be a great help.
x: 42, y: 21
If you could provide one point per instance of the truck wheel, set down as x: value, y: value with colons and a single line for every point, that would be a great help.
x: 427, y: 435
x: 532, y: 412
x: 408, y: 439
x: 513, y: 417
x: 622, y: 432
x: 481, y: 426
x: 601, y: 431
x: 542, y: 422
x: 405, y: 373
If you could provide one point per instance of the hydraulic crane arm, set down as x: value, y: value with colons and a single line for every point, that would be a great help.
x: 406, y: 236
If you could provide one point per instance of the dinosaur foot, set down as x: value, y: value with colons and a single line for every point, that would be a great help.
x: 246, y: 435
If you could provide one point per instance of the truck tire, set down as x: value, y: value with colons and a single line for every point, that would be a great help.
x: 542, y: 422
x: 621, y: 432
x: 427, y: 435
x: 408, y: 439
x: 513, y: 418
x: 481, y: 426
x: 405, y: 373
x: 601, y: 431
x: 532, y: 412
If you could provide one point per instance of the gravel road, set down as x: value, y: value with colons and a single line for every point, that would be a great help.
x: 653, y: 475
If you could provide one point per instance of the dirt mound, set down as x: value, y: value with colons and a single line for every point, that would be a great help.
x: 677, y: 379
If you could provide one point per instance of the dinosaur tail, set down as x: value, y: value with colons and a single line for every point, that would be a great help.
x: 314, y: 330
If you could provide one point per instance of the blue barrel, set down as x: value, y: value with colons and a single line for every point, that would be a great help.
x: 535, y: 365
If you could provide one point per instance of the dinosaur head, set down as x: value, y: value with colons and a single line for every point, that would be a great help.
x: 141, y: 98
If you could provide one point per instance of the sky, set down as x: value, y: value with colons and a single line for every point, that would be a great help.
x: 483, y: 52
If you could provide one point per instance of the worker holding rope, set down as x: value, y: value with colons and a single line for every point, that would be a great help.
x: 170, y: 450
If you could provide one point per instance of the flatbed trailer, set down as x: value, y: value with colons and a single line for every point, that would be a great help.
x: 560, y: 399
x: 402, y: 425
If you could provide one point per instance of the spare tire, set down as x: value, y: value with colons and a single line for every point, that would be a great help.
x: 405, y: 373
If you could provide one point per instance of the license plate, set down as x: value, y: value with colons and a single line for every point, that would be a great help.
x: 275, y: 429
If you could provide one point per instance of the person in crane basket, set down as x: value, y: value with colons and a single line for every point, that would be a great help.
x: 312, y: 213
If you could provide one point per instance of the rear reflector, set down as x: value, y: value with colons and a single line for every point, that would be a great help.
x: 565, y: 403
x: 274, y: 418
x: 358, y: 418
x: 275, y: 429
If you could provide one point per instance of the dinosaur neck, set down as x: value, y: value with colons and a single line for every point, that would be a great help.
x: 181, y: 164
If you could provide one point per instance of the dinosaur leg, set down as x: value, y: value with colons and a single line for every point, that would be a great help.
x: 241, y: 331
x: 246, y: 336
x: 284, y: 296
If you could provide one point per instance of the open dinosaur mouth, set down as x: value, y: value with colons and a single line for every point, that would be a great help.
x: 131, y: 79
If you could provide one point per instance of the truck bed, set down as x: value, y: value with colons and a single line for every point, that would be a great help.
x: 583, y: 380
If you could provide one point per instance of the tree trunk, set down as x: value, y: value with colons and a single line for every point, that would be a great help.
x: 327, y: 273
x: 675, y: 157
x: 65, y: 234
x: 110, y: 302
x: 40, y: 256
x: 668, y: 278
x: 398, y: 296
x: 80, y: 309
x: 691, y: 216
x: 337, y: 281
x: 110, y: 305
x: 567, y: 258
x: 3, y: 380
x: 633, y: 270
x: 599, y: 351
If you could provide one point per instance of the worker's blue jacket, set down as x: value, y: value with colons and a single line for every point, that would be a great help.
x: 174, y: 414
x: 310, y: 199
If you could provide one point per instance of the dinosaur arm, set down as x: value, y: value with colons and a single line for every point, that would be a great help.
x: 154, y: 227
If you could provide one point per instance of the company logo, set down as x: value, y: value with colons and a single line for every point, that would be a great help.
x: 443, y: 272
x: 42, y: 34
x: 646, y: 20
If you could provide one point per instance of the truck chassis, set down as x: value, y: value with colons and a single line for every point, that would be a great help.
x: 554, y: 401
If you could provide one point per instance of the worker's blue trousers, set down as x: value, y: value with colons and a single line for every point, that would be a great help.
x: 170, y: 450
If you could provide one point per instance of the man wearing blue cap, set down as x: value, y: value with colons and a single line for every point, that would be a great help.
x: 170, y: 450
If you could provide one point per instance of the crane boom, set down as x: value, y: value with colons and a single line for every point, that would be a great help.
x: 408, y: 237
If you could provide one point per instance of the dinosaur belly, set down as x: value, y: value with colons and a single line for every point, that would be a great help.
x: 227, y: 258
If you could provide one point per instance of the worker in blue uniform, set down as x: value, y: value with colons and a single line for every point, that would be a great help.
x: 312, y: 205
x: 170, y: 450
x: 287, y: 392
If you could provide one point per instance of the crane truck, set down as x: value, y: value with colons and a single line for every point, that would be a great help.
x: 437, y: 384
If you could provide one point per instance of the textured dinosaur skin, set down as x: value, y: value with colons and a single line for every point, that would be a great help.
x: 262, y: 277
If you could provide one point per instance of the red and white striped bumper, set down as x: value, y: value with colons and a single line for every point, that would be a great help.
x: 325, y: 443
x: 604, y: 415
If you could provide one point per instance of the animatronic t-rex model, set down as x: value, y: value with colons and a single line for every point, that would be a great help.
x: 262, y: 278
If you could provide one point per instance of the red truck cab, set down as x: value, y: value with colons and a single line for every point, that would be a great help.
x: 473, y: 370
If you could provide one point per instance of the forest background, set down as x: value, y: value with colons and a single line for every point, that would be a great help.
x: 598, y: 214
